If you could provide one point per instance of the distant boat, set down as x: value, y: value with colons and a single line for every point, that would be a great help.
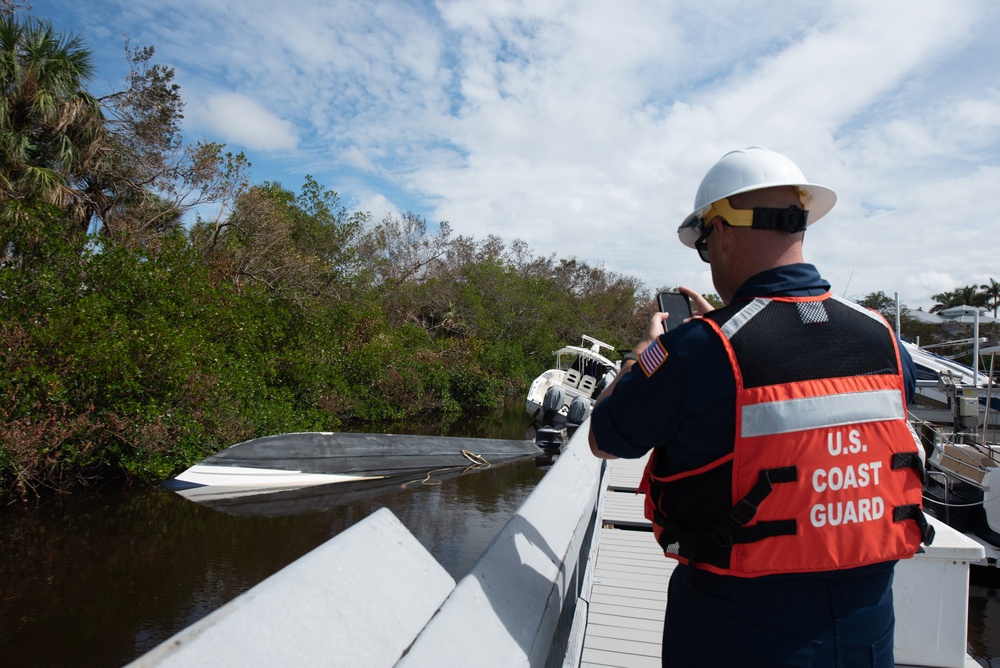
x: 937, y: 376
x: 956, y: 412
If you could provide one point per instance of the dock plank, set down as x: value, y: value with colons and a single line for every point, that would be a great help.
x: 626, y: 473
x: 604, y: 623
x: 597, y: 658
x: 634, y: 634
x: 618, y: 644
x: 625, y: 509
x: 628, y: 599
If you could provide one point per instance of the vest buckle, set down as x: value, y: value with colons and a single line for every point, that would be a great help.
x: 743, y: 512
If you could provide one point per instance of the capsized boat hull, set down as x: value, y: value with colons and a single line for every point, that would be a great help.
x: 305, y: 499
x: 319, y: 458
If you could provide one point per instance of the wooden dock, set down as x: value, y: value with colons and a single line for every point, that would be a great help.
x: 625, y: 617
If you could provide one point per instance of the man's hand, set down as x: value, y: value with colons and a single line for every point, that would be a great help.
x: 653, y: 331
x: 699, y: 305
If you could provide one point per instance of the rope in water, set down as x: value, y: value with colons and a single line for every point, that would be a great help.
x: 478, y: 462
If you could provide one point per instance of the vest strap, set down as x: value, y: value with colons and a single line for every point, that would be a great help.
x: 730, y: 529
x: 790, y: 219
x: 762, y: 530
x: 909, y: 460
x: 913, y: 512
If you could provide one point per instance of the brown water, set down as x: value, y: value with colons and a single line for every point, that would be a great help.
x: 98, y: 581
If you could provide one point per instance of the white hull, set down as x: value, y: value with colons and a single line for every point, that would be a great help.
x: 992, y: 556
x: 282, y: 462
x: 242, y: 476
x: 536, y: 393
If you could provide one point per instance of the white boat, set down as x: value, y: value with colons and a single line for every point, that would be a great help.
x: 566, y: 393
x: 286, y: 462
x: 956, y: 412
x: 963, y: 489
x: 947, y: 390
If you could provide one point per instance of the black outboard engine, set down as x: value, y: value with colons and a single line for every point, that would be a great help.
x: 552, y: 402
x: 550, y: 438
x: 578, y: 411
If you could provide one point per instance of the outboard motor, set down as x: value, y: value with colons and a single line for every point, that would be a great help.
x: 550, y: 438
x: 578, y: 411
x: 552, y: 402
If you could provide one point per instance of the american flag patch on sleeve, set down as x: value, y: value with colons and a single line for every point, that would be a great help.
x: 652, y: 357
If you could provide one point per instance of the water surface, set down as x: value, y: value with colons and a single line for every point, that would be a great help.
x: 98, y: 580
x: 101, y: 579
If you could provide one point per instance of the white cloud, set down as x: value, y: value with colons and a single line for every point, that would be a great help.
x: 378, y: 206
x: 241, y: 120
x: 584, y: 127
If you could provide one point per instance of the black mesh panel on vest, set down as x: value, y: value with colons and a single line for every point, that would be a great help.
x: 796, y: 341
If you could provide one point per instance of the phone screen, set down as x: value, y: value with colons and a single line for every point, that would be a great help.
x: 677, y: 305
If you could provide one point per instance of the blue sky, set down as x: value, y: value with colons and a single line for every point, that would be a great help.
x: 585, y: 126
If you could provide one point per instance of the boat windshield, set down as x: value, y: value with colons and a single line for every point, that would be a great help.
x: 584, y: 361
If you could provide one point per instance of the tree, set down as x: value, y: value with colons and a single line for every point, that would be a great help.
x: 116, y: 165
x: 51, y: 129
x: 966, y: 295
x: 8, y: 6
x: 142, y: 187
x: 297, y: 246
x: 881, y: 302
x: 992, y: 292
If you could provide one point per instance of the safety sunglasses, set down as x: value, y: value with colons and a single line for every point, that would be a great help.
x: 701, y: 243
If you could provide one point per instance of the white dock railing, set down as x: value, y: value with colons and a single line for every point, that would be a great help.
x: 373, y: 595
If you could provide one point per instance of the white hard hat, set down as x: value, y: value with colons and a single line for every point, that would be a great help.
x: 749, y: 169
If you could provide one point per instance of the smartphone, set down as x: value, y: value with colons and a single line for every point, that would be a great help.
x: 677, y: 305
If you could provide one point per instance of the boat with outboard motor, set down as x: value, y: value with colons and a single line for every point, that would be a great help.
x: 955, y: 414
x: 561, y: 397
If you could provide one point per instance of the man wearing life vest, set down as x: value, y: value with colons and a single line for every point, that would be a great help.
x: 783, y: 475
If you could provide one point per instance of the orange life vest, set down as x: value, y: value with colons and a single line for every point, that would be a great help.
x: 824, y: 472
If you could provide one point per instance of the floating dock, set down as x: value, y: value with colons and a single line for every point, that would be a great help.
x: 628, y: 599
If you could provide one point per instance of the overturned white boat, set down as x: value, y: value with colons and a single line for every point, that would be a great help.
x: 566, y: 393
x: 290, y: 461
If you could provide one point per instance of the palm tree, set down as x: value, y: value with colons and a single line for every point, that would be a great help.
x: 966, y: 295
x: 51, y: 129
x: 992, y: 292
x: 946, y: 300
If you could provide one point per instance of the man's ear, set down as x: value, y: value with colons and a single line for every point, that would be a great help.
x: 724, y: 236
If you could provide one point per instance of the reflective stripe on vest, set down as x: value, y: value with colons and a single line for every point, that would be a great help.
x: 836, y: 410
